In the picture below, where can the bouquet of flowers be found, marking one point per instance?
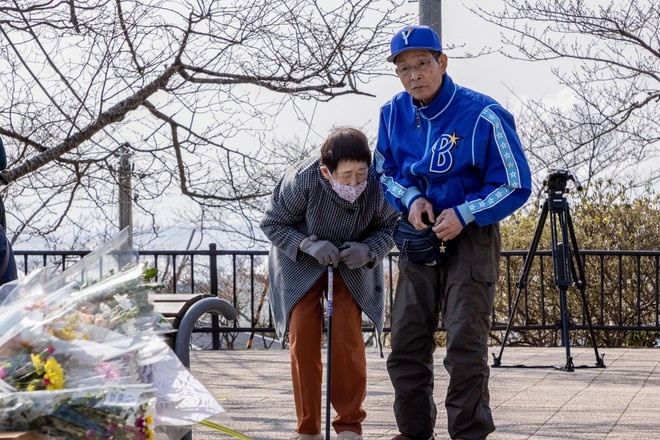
(81, 354)
(95, 412)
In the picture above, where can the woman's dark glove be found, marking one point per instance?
(324, 251)
(356, 254)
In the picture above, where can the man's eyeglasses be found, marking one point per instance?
(419, 67)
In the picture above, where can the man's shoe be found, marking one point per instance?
(349, 435)
(297, 436)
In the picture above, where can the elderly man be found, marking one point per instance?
(450, 161)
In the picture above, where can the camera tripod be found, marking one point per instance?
(567, 263)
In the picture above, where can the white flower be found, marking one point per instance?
(123, 302)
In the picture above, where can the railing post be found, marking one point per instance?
(213, 263)
(215, 323)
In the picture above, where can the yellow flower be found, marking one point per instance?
(37, 362)
(54, 374)
(148, 427)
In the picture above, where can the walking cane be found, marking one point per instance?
(329, 352)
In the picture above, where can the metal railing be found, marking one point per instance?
(622, 288)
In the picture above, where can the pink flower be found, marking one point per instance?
(108, 371)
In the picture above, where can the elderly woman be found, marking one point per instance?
(329, 210)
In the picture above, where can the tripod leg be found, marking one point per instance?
(562, 266)
(522, 281)
(581, 283)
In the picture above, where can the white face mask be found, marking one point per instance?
(348, 192)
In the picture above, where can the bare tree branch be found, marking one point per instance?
(610, 127)
(195, 89)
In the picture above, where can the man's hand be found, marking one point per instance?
(419, 207)
(324, 251)
(356, 254)
(448, 225)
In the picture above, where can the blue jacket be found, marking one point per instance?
(461, 151)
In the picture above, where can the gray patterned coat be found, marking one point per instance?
(303, 204)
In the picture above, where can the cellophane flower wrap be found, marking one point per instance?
(82, 354)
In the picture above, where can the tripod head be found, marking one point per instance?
(556, 184)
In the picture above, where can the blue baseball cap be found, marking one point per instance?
(414, 37)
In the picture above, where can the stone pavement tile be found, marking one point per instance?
(637, 425)
(615, 403)
(559, 430)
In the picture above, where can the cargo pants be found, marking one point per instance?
(462, 289)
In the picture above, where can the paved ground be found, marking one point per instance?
(621, 401)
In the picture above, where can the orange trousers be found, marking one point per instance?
(348, 382)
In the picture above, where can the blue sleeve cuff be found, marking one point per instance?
(410, 196)
(463, 213)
